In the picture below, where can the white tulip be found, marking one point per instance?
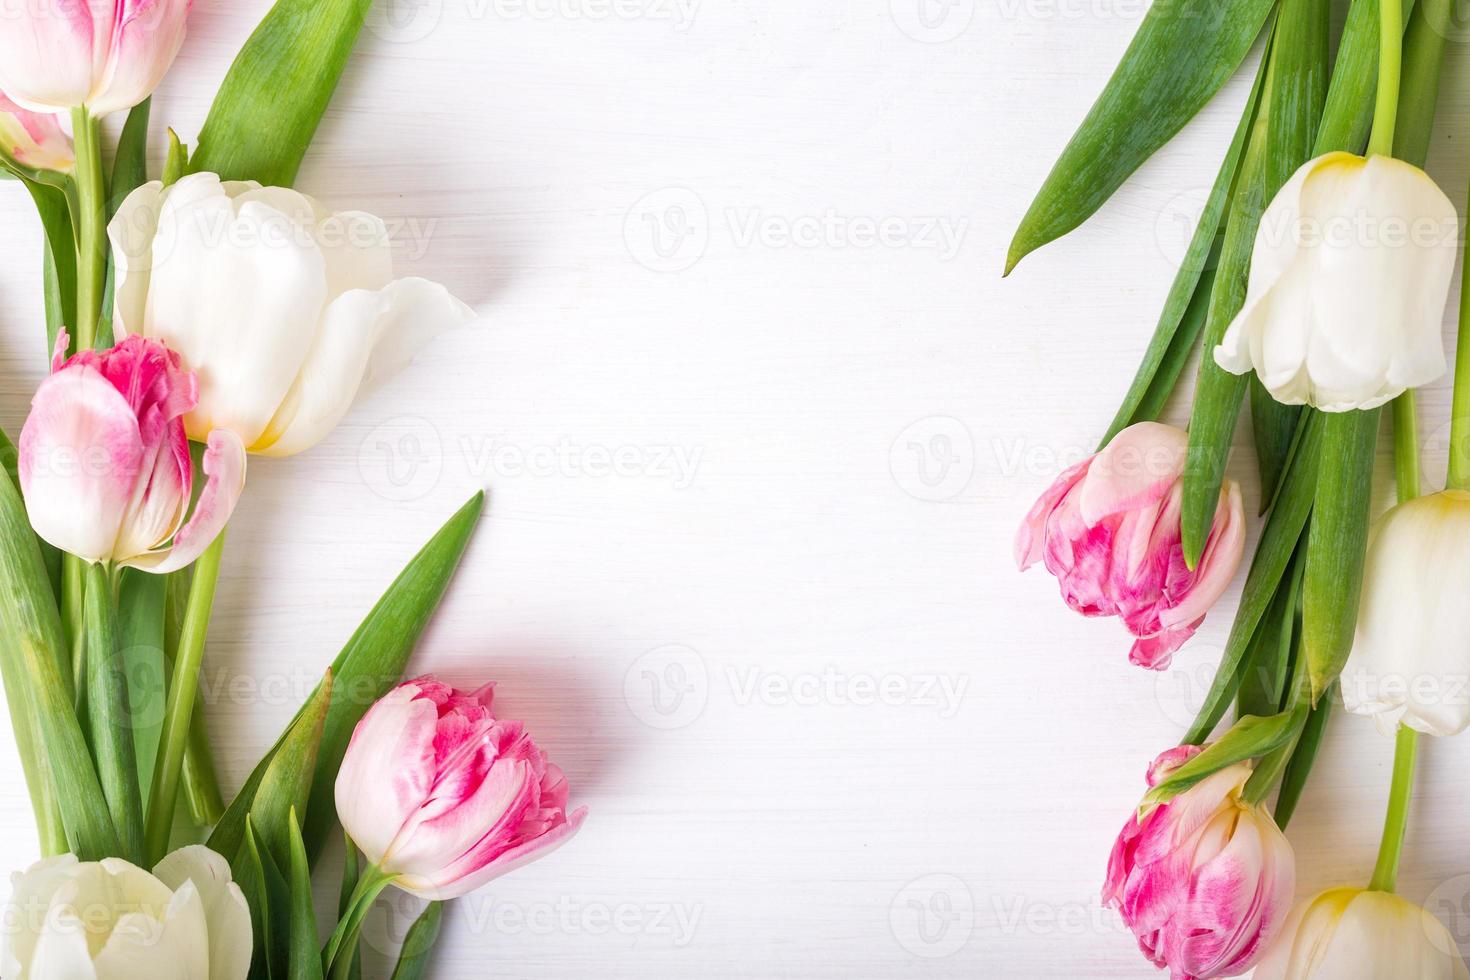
(1410, 662)
(110, 920)
(1352, 934)
(1348, 281)
(282, 308)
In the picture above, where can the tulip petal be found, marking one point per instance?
(1031, 537)
(507, 862)
(237, 291)
(374, 803)
(225, 909)
(30, 895)
(80, 455)
(49, 52)
(145, 41)
(1137, 468)
(131, 232)
(224, 466)
(364, 337)
(171, 943)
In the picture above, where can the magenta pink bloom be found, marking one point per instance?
(1204, 881)
(34, 139)
(104, 463)
(106, 55)
(1108, 529)
(436, 790)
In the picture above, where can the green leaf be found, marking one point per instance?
(1279, 541)
(1348, 116)
(1337, 544)
(1294, 780)
(178, 160)
(1183, 52)
(284, 784)
(306, 946)
(1263, 681)
(351, 873)
(273, 97)
(370, 664)
(269, 897)
(418, 945)
(1274, 426)
(1249, 738)
(32, 659)
(1424, 44)
(109, 722)
(130, 165)
(1280, 142)
(140, 609)
(59, 260)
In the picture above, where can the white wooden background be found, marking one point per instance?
(758, 418)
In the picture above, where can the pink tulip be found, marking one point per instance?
(106, 55)
(1204, 881)
(104, 462)
(1108, 529)
(34, 139)
(435, 790)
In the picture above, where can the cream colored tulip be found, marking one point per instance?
(1348, 282)
(282, 308)
(1356, 934)
(110, 920)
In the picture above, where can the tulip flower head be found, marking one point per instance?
(439, 793)
(104, 464)
(1357, 934)
(107, 55)
(110, 920)
(34, 140)
(1108, 529)
(1205, 880)
(1348, 281)
(1410, 662)
(284, 308)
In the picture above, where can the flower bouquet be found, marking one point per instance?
(192, 320)
(1314, 288)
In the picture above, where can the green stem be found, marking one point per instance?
(91, 226)
(73, 618)
(1390, 58)
(1406, 446)
(109, 721)
(182, 690)
(342, 947)
(200, 783)
(1458, 477)
(1386, 873)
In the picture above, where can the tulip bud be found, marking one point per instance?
(34, 140)
(1205, 880)
(438, 792)
(1348, 281)
(1410, 662)
(1108, 529)
(1353, 934)
(283, 308)
(110, 920)
(56, 55)
(104, 464)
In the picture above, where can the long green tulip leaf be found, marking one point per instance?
(370, 664)
(130, 164)
(305, 943)
(418, 945)
(1183, 52)
(1249, 738)
(1294, 779)
(1337, 544)
(1279, 541)
(273, 97)
(1269, 660)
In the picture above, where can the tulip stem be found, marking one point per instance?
(1390, 61)
(109, 723)
(1406, 749)
(91, 221)
(342, 947)
(179, 710)
(1406, 446)
(1459, 471)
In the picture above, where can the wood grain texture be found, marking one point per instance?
(757, 436)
